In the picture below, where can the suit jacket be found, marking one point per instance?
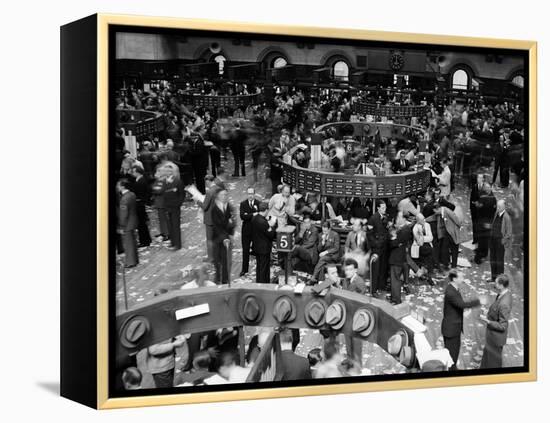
(453, 312)
(445, 181)
(142, 190)
(498, 315)
(361, 211)
(294, 366)
(357, 284)
(377, 232)
(262, 235)
(208, 203)
(127, 212)
(506, 229)
(452, 222)
(173, 193)
(309, 240)
(475, 196)
(331, 246)
(399, 246)
(351, 242)
(398, 167)
(246, 213)
(486, 212)
(222, 222)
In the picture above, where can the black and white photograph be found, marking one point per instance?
(293, 211)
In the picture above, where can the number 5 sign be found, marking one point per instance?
(285, 241)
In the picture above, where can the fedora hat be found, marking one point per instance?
(284, 310)
(363, 322)
(406, 356)
(133, 330)
(314, 313)
(397, 342)
(434, 366)
(336, 315)
(251, 308)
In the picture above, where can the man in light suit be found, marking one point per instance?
(356, 239)
(497, 325)
(127, 222)
(501, 239)
(248, 209)
(329, 251)
(444, 178)
(453, 315)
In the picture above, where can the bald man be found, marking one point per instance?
(501, 238)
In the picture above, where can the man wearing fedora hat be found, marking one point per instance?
(453, 314)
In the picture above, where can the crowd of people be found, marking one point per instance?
(389, 242)
(218, 361)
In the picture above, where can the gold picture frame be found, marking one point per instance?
(103, 401)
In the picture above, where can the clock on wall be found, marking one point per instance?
(397, 61)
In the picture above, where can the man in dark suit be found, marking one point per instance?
(199, 156)
(305, 244)
(173, 196)
(497, 325)
(238, 141)
(485, 214)
(329, 250)
(143, 193)
(401, 165)
(378, 236)
(127, 222)
(263, 233)
(207, 205)
(502, 162)
(400, 239)
(247, 210)
(361, 208)
(453, 315)
(294, 367)
(475, 205)
(224, 227)
(353, 281)
(501, 239)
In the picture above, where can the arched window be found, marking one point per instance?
(220, 59)
(279, 62)
(340, 70)
(460, 80)
(518, 80)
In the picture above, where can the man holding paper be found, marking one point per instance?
(497, 325)
(453, 314)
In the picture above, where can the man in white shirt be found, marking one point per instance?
(230, 371)
(282, 205)
(444, 178)
(423, 238)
